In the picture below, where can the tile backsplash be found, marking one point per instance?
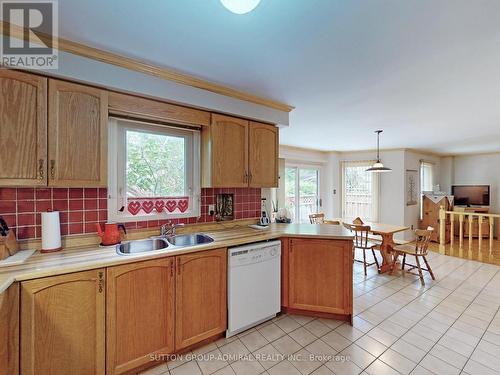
(82, 208)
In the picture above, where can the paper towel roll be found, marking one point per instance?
(51, 231)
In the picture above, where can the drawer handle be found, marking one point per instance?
(178, 266)
(41, 173)
(52, 169)
(101, 282)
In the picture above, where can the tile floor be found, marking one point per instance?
(447, 326)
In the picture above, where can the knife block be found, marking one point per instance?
(8, 245)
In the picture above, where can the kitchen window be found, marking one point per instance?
(154, 171)
(360, 191)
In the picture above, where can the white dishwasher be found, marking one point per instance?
(254, 285)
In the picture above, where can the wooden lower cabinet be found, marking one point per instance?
(319, 276)
(9, 331)
(63, 324)
(139, 313)
(201, 307)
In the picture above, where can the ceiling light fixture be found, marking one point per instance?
(378, 166)
(240, 6)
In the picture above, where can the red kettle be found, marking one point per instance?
(111, 234)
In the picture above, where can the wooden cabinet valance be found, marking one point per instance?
(148, 109)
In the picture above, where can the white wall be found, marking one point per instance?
(479, 170)
(447, 173)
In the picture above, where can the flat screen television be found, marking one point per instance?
(471, 195)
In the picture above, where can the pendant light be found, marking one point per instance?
(378, 166)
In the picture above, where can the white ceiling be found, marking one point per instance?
(425, 71)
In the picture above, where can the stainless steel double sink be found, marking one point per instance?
(162, 243)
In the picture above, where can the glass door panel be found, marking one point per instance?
(302, 192)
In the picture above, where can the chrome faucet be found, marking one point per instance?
(168, 229)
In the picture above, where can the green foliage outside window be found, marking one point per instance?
(155, 165)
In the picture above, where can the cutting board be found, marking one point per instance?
(18, 258)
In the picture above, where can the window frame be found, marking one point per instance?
(375, 186)
(423, 165)
(117, 198)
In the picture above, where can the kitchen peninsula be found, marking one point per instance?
(109, 297)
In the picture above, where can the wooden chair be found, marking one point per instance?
(318, 218)
(417, 249)
(358, 221)
(362, 242)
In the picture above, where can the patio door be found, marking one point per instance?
(302, 192)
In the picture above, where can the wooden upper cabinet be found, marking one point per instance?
(225, 152)
(23, 129)
(239, 153)
(63, 324)
(201, 308)
(263, 155)
(9, 330)
(320, 275)
(77, 135)
(140, 313)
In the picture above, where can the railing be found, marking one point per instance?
(308, 204)
(471, 219)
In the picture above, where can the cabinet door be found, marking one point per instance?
(201, 307)
(9, 331)
(320, 275)
(263, 155)
(63, 324)
(140, 313)
(77, 135)
(229, 152)
(23, 135)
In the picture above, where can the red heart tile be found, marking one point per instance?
(134, 207)
(171, 205)
(159, 205)
(183, 205)
(147, 206)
